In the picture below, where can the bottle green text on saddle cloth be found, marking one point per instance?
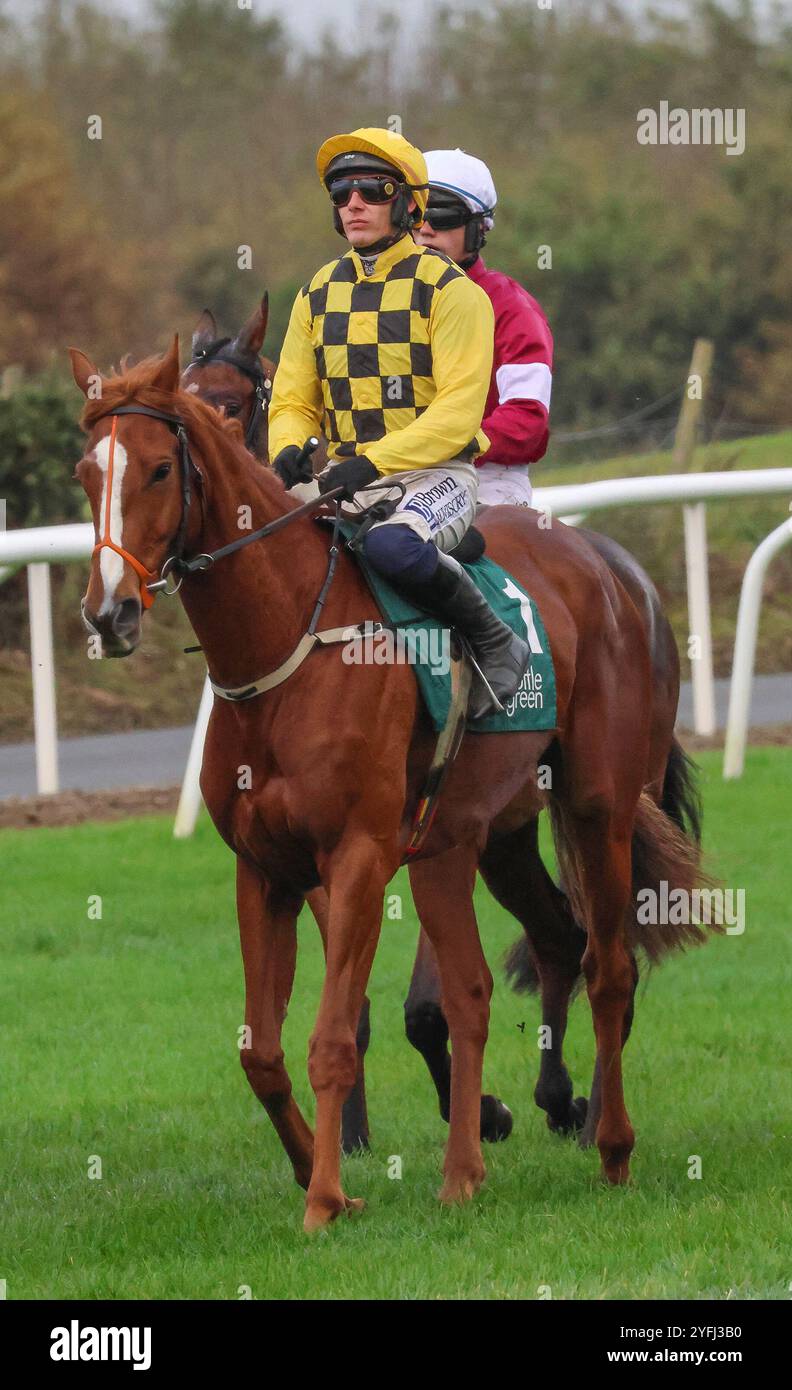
(534, 705)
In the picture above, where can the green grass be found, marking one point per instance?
(119, 1040)
(159, 686)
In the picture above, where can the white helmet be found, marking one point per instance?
(467, 177)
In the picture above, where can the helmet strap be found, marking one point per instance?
(381, 245)
(475, 235)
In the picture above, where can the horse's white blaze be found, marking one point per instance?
(111, 565)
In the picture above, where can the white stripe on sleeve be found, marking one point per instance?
(524, 381)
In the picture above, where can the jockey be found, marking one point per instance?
(462, 202)
(389, 350)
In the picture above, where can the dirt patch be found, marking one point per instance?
(74, 807)
(772, 736)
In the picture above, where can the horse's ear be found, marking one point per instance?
(166, 377)
(205, 331)
(250, 338)
(85, 373)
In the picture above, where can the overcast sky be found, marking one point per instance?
(306, 17)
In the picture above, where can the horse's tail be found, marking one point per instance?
(520, 967)
(666, 860)
(666, 871)
(681, 799)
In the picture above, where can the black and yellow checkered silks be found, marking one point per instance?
(371, 342)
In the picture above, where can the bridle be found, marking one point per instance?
(176, 564)
(251, 368)
(149, 584)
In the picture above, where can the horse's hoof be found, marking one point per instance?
(319, 1214)
(460, 1188)
(616, 1163)
(496, 1120)
(356, 1144)
(587, 1136)
(574, 1119)
(617, 1174)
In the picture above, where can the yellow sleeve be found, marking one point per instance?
(461, 332)
(296, 409)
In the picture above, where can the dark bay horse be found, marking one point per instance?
(339, 754)
(548, 956)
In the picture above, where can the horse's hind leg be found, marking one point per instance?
(604, 857)
(268, 934)
(443, 893)
(354, 1116)
(427, 1030)
(588, 1134)
(512, 869)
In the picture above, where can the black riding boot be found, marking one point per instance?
(451, 596)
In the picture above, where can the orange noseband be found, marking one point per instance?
(106, 543)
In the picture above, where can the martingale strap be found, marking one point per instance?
(287, 668)
(450, 736)
(448, 740)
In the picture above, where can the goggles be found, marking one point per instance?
(373, 188)
(445, 216)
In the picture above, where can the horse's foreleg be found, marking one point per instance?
(354, 1116)
(443, 892)
(427, 1030)
(268, 934)
(356, 875)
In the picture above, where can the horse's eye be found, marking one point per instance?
(160, 473)
(233, 408)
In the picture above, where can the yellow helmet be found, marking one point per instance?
(383, 145)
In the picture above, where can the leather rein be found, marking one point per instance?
(176, 563)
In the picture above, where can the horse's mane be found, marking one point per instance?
(205, 425)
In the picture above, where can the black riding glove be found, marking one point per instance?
(290, 469)
(351, 474)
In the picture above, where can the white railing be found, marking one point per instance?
(40, 546)
(745, 647)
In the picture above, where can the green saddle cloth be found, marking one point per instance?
(425, 645)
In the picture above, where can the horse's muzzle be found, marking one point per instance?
(119, 628)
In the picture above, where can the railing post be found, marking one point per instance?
(701, 667)
(42, 668)
(689, 422)
(190, 799)
(696, 556)
(745, 647)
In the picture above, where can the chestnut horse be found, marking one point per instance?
(548, 956)
(339, 754)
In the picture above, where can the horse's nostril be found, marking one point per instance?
(126, 616)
